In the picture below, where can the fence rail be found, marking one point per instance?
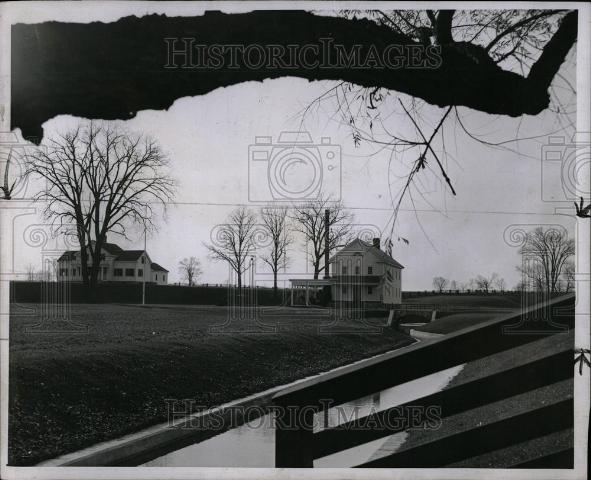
(297, 445)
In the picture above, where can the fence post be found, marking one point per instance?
(293, 435)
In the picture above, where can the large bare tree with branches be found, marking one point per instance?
(548, 251)
(275, 222)
(439, 283)
(309, 220)
(190, 270)
(486, 282)
(235, 241)
(98, 180)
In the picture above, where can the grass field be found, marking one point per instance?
(71, 390)
(472, 301)
(457, 321)
(465, 310)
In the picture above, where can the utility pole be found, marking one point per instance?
(144, 273)
(326, 300)
(326, 242)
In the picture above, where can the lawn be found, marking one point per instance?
(457, 321)
(471, 301)
(461, 311)
(71, 390)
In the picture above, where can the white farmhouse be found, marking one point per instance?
(363, 273)
(117, 265)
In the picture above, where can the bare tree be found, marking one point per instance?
(32, 273)
(439, 283)
(309, 220)
(547, 251)
(190, 270)
(532, 276)
(275, 221)
(521, 287)
(8, 187)
(97, 181)
(500, 284)
(569, 276)
(235, 241)
(486, 283)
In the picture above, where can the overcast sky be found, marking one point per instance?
(207, 139)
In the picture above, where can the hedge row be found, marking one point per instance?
(35, 292)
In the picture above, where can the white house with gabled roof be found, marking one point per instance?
(362, 272)
(117, 265)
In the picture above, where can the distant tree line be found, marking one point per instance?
(481, 283)
(547, 267)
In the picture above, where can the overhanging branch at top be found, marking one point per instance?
(112, 70)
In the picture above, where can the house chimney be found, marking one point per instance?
(376, 242)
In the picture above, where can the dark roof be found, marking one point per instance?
(121, 255)
(158, 268)
(129, 255)
(112, 248)
(69, 255)
(358, 244)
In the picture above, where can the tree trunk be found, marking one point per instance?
(81, 235)
(275, 270)
(84, 265)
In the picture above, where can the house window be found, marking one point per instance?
(344, 289)
(79, 271)
(370, 270)
(344, 269)
(104, 272)
(129, 272)
(357, 268)
(73, 272)
(156, 277)
(143, 260)
(369, 290)
(118, 272)
(140, 272)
